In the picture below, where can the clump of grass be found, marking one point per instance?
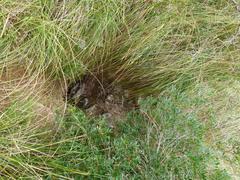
(27, 148)
(145, 46)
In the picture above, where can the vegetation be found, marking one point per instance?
(181, 58)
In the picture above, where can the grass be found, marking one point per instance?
(160, 141)
(138, 147)
(178, 56)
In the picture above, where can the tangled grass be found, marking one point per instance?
(143, 45)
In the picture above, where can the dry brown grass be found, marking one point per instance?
(17, 85)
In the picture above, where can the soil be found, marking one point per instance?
(100, 97)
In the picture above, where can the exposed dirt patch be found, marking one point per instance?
(101, 97)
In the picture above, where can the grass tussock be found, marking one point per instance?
(161, 48)
(144, 45)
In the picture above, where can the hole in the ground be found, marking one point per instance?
(99, 96)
